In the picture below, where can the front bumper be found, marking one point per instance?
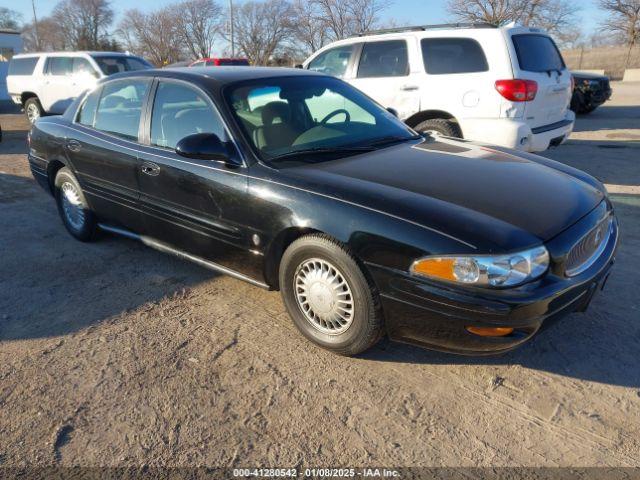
(435, 316)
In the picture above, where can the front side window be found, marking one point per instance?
(179, 111)
(283, 116)
(121, 63)
(87, 113)
(81, 66)
(384, 59)
(120, 107)
(332, 62)
(60, 66)
(537, 53)
(452, 55)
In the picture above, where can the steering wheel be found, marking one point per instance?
(334, 113)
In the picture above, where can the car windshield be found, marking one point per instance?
(282, 117)
(117, 64)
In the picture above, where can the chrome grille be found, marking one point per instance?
(584, 253)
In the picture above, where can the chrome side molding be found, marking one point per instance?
(163, 247)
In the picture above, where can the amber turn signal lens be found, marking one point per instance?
(490, 331)
(436, 267)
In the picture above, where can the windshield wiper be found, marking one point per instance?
(321, 150)
(392, 139)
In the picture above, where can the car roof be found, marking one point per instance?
(80, 52)
(219, 76)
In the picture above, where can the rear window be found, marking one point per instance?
(235, 62)
(22, 66)
(452, 55)
(537, 53)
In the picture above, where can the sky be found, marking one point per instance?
(410, 12)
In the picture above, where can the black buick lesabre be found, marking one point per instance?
(296, 181)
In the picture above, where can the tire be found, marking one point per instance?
(79, 222)
(440, 126)
(33, 109)
(308, 258)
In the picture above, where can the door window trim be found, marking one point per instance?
(145, 137)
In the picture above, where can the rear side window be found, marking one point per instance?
(452, 55)
(81, 66)
(332, 62)
(22, 66)
(88, 110)
(537, 53)
(59, 65)
(120, 108)
(179, 111)
(384, 59)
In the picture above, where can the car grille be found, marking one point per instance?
(589, 248)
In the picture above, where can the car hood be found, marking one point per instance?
(493, 199)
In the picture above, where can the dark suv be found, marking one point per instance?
(589, 92)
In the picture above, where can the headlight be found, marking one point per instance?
(485, 270)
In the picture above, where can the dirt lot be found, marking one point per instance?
(114, 354)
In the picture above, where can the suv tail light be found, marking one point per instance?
(517, 90)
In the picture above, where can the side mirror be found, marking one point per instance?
(203, 146)
(299, 65)
(393, 112)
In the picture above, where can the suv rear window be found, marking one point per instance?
(537, 53)
(452, 55)
(22, 66)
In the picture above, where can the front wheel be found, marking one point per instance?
(328, 296)
(73, 208)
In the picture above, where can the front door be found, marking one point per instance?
(103, 149)
(196, 206)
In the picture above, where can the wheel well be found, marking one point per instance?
(277, 248)
(52, 170)
(26, 96)
(419, 117)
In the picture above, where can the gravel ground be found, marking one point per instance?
(112, 354)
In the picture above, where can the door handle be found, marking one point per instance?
(150, 168)
(409, 88)
(74, 145)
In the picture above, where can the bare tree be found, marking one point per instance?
(623, 21)
(311, 31)
(198, 23)
(154, 35)
(83, 23)
(261, 28)
(49, 35)
(365, 14)
(556, 16)
(10, 19)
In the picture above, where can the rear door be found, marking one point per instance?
(103, 148)
(58, 91)
(536, 57)
(383, 73)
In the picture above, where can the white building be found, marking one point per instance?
(10, 44)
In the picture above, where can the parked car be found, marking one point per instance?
(506, 86)
(364, 226)
(220, 62)
(590, 91)
(48, 82)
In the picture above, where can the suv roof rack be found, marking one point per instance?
(417, 28)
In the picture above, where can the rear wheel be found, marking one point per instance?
(33, 109)
(439, 126)
(328, 296)
(76, 215)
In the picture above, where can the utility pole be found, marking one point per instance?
(35, 25)
(233, 47)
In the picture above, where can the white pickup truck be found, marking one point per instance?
(48, 82)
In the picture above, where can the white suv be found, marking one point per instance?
(506, 86)
(48, 82)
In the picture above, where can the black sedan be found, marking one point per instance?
(589, 91)
(296, 181)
